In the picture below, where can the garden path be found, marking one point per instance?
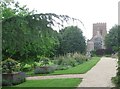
(56, 76)
(101, 74)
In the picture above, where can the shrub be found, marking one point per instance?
(9, 65)
(80, 58)
(44, 70)
(20, 78)
(109, 51)
(36, 64)
(100, 52)
(6, 82)
(118, 73)
(26, 67)
(13, 79)
(69, 60)
(61, 67)
(65, 61)
(44, 61)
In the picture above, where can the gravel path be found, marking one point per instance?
(101, 74)
(56, 76)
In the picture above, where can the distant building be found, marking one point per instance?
(97, 41)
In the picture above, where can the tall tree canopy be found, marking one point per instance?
(11, 8)
(72, 40)
(26, 35)
(118, 73)
(111, 40)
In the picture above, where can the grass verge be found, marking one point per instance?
(70, 83)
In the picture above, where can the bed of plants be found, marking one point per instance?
(11, 74)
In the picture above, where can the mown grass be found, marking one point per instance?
(72, 82)
(80, 69)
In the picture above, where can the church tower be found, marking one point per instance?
(101, 27)
(97, 41)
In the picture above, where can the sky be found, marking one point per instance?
(88, 11)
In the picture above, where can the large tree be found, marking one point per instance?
(111, 40)
(118, 73)
(26, 34)
(72, 40)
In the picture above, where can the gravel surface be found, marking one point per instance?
(101, 74)
(56, 76)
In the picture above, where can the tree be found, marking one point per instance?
(111, 40)
(11, 8)
(24, 37)
(72, 40)
(118, 73)
(26, 34)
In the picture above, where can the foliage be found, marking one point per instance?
(111, 40)
(72, 40)
(44, 61)
(69, 60)
(12, 8)
(6, 82)
(13, 79)
(19, 79)
(25, 39)
(79, 58)
(118, 73)
(9, 65)
(26, 35)
(26, 67)
(44, 70)
(109, 51)
(102, 52)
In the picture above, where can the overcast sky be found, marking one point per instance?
(88, 11)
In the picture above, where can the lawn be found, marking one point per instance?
(80, 69)
(70, 83)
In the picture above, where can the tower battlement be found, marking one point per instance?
(99, 23)
(101, 27)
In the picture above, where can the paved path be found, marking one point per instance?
(56, 76)
(100, 75)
